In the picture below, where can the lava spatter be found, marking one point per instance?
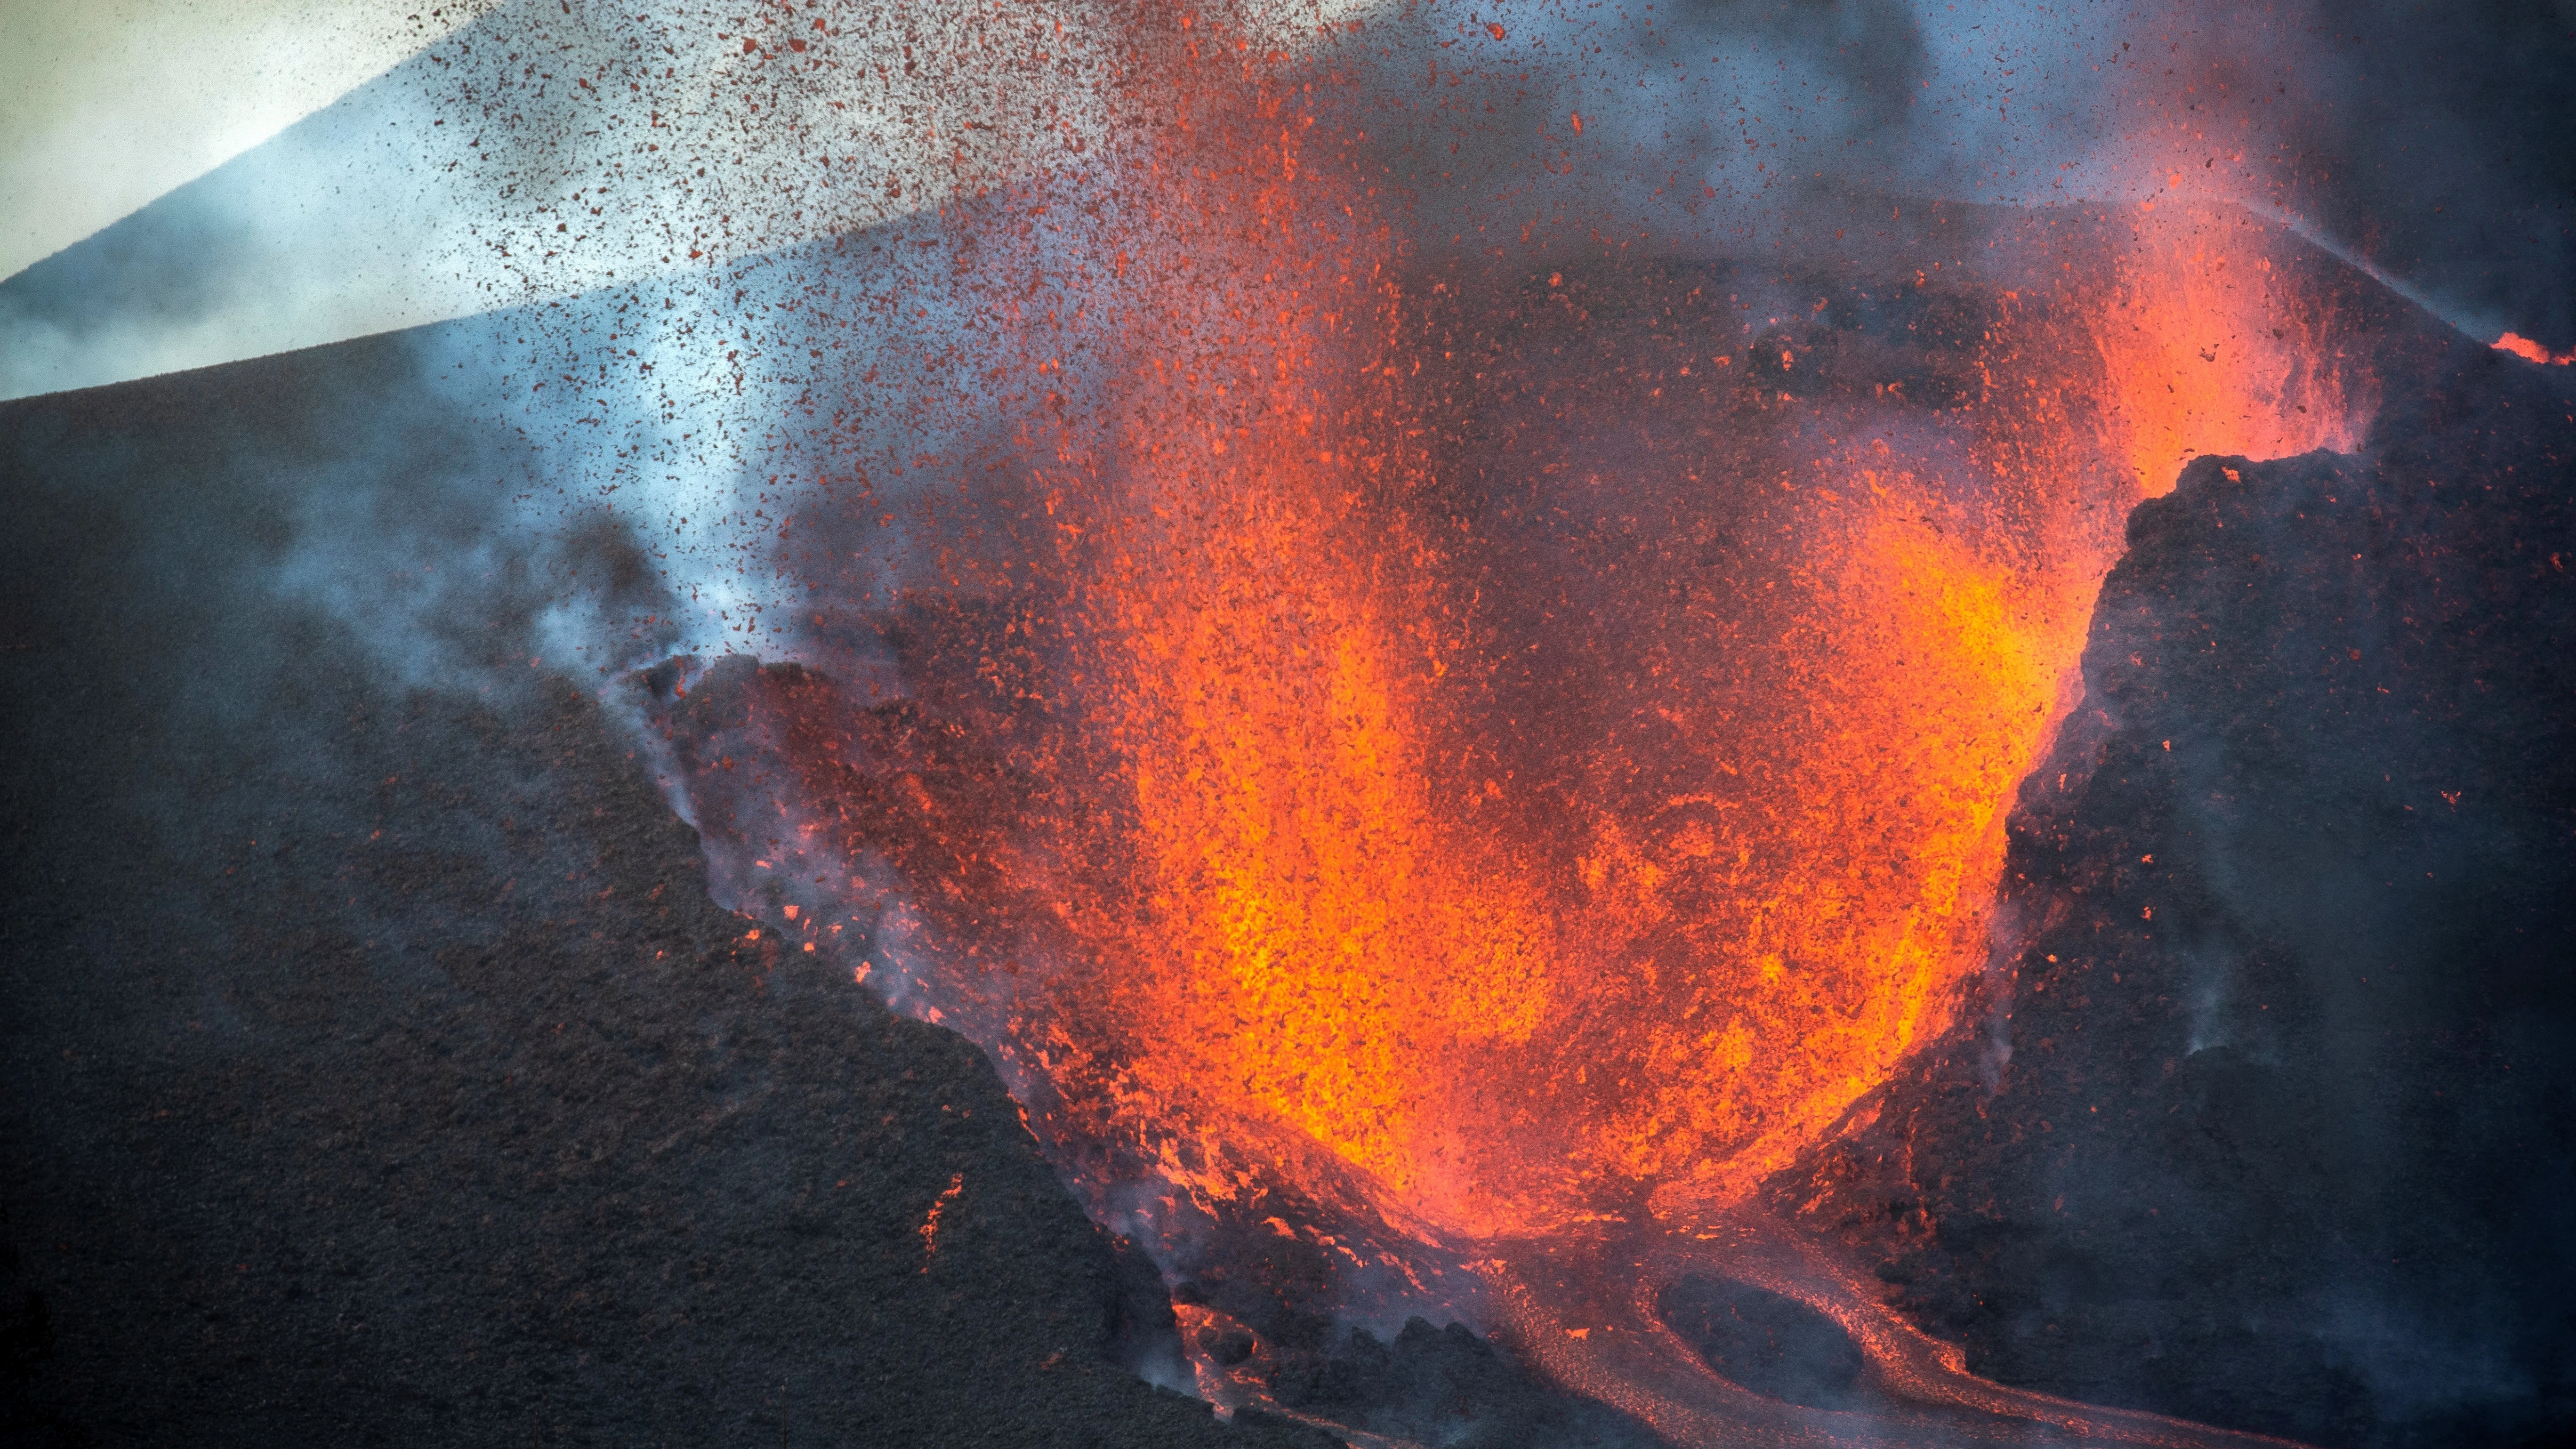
(1470, 749)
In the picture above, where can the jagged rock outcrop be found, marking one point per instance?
(2263, 1116)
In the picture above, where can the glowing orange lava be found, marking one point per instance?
(2209, 351)
(1547, 789)
(2530, 351)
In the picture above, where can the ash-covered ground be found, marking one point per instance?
(2266, 1115)
(377, 1069)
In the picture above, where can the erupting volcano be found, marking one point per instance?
(1466, 660)
(1429, 747)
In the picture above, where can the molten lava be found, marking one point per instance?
(2530, 351)
(1537, 822)
(1509, 742)
(2209, 350)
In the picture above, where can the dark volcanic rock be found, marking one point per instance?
(1772, 1345)
(1446, 1386)
(2267, 1113)
(377, 1069)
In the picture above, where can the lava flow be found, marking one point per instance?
(1505, 747)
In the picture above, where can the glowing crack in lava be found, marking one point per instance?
(1501, 743)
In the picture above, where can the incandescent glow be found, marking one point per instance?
(2208, 351)
(1428, 728)
(1535, 789)
(2530, 351)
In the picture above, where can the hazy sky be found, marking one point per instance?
(2453, 170)
(106, 104)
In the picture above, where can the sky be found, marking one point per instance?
(106, 104)
(2430, 146)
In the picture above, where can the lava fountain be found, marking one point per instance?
(1443, 752)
